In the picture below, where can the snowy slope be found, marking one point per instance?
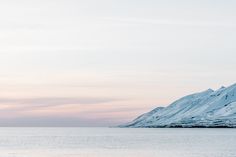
(205, 109)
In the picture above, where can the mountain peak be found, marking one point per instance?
(222, 87)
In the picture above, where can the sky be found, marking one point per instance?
(102, 63)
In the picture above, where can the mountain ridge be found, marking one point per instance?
(208, 108)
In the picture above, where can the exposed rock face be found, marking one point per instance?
(205, 109)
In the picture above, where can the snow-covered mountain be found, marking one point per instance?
(205, 109)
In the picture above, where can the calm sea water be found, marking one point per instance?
(116, 142)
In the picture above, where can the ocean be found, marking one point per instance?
(117, 142)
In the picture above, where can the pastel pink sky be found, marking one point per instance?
(90, 63)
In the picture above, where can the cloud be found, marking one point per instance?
(172, 22)
(54, 101)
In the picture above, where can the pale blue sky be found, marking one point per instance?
(123, 57)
